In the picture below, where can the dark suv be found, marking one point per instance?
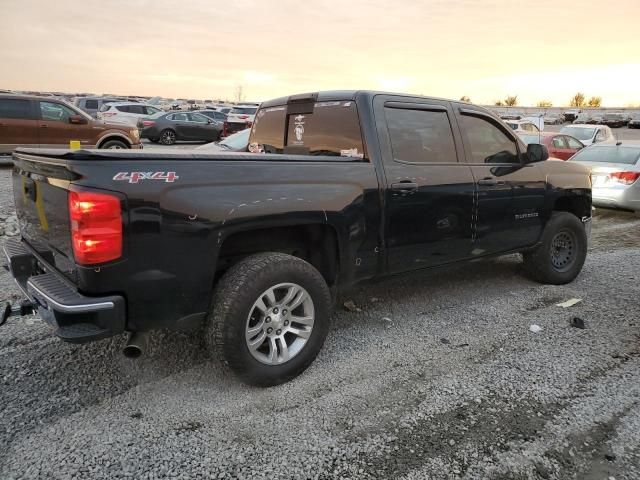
(32, 121)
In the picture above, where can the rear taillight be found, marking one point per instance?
(243, 117)
(148, 123)
(96, 227)
(626, 178)
(109, 114)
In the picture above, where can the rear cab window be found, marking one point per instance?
(331, 129)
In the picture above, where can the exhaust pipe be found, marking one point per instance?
(136, 345)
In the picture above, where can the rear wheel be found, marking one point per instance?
(167, 137)
(269, 318)
(114, 145)
(562, 252)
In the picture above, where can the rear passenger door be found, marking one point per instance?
(18, 124)
(429, 189)
(509, 192)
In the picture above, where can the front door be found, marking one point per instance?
(429, 190)
(55, 129)
(558, 148)
(510, 192)
(18, 124)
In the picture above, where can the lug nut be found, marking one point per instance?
(269, 330)
(286, 322)
(278, 332)
(284, 312)
(275, 310)
(268, 319)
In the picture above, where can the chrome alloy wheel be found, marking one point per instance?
(279, 323)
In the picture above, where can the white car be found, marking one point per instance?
(126, 112)
(589, 134)
(526, 124)
(240, 117)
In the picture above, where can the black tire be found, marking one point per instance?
(562, 252)
(114, 144)
(167, 137)
(232, 304)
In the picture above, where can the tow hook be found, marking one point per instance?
(25, 307)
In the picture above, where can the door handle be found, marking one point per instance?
(405, 187)
(44, 126)
(489, 182)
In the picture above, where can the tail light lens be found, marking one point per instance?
(96, 227)
(626, 178)
(148, 123)
(243, 117)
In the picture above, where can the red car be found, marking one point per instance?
(559, 145)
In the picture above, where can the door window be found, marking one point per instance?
(179, 117)
(487, 143)
(151, 110)
(55, 112)
(196, 117)
(137, 109)
(558, 142)
(91, 104)
(600, 136)
(420, 136)
(16, 109)
(573, 143)
(124, 108)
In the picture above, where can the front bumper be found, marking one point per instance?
(76, 318)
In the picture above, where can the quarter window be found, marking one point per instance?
(573, 143)
(487, 143)
(420, 136)
(16, 109)
(55, 112)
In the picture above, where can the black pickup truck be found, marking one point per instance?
(337, 187)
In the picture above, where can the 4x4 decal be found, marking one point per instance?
(136, 177)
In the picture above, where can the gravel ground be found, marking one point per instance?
(433, 378)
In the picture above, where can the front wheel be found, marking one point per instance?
(269, 318)
(114, 145)
(562, 252)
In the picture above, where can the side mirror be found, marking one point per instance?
(537, 153)
(77, 120)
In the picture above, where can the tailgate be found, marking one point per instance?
(40, 189)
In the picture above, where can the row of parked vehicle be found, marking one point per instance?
(610, 119)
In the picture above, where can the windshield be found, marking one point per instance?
(237, 141)
(244, 110)
(608, 154)
(581, 133)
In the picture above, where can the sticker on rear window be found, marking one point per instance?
(137, 177)
(298, 130)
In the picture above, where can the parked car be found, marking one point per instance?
(46, 122)
(254, 247)
(613, 120)
(560, 146)
(92, 105)
(582, 118)
(571, 115)
(553, 119)
(214, 115)
(511, 116)
(634, 121)
(522, 126)
(237, 142)
(589, 134)
(126, 112)
(615, 169)
(239, 118)
(168, 128)
(595, 120)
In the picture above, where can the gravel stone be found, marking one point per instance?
(378, 403)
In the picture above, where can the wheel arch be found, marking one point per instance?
(113, 136)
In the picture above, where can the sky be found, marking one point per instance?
(205, 49)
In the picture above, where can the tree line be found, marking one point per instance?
(577, 101)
